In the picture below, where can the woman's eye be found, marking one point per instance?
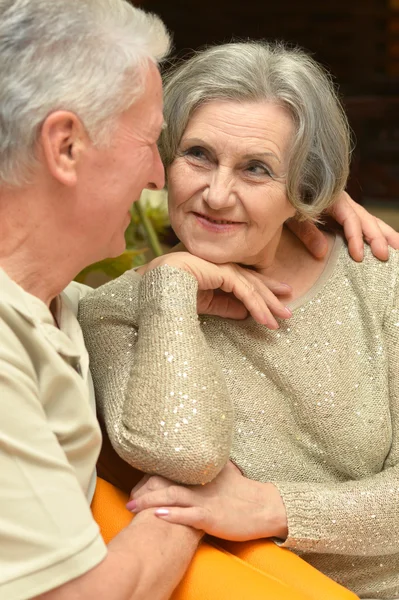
(258, 169)
(196, 152)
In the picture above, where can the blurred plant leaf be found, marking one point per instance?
(114, 267)
(148, 223)
(150, 233)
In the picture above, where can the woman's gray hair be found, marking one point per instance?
(260, 71)
(86, 56)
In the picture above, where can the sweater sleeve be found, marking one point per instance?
(161, 394)
(354, 517)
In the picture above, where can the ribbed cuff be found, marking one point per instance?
(169, 289)
(304, 516)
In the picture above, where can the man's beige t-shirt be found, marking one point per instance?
(49, 444)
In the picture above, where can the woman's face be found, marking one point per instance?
(227, 192)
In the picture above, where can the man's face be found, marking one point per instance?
(112, 178)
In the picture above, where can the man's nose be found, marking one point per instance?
(158, 172)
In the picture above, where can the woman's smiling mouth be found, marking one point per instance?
(217, 225)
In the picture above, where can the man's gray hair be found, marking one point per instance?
(260, 71)
(86, 56)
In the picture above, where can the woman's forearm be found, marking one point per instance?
(162, 395)
(354, 517)
(177, 414)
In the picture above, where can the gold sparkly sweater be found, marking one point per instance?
(312, 407)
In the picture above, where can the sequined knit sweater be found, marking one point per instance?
(312, 407)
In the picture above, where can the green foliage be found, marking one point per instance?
(149, 221)
(114, 267)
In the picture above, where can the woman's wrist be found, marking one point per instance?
(168, 288)
(274, 516)
(170, 259)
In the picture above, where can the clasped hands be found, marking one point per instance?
(230, 507)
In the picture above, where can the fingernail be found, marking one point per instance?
(287, 310)
(132, 505)
(162, 512)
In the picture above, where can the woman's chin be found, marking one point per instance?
(214, 255)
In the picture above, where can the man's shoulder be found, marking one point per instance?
(13, 300)
(74, 293)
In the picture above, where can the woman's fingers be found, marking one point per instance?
(249, 295)
(258, 292)
(276, 287)
(194, 516)
(220, 304)
(175, 504)
(248, 288)
(262, 286)
(252, 291)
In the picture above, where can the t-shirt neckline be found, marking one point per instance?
(324, 276)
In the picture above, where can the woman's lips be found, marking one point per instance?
(217, 225)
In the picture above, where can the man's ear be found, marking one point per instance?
(63, 140)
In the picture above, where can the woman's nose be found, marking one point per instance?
(219, 193)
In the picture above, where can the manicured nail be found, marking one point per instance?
(162, 512)
(288, 311)
(132, 505)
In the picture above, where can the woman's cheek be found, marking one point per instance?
(178, 220)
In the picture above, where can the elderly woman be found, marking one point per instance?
(307, 408)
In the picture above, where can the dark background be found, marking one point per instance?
(357, 40)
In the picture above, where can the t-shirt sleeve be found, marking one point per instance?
(47, 533)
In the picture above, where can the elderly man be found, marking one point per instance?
(80, 115)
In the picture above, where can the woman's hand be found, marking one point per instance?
(228, 290)
(231, 507)
(358, 225)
